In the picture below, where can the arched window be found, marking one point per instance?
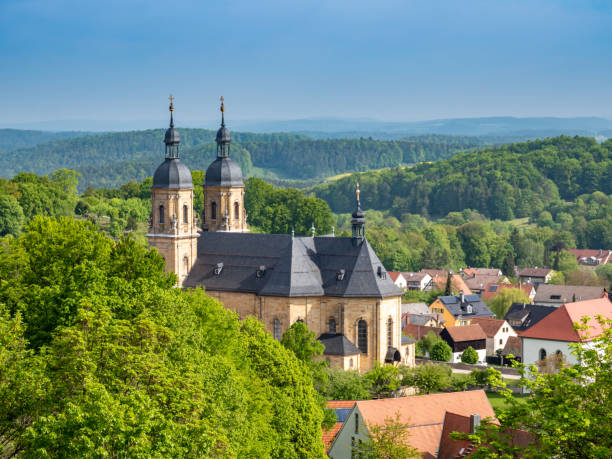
(390, 332)
(213, 211)
(559, 353)
(277, 333)
(161, 215)
(236, 211)
(542, 354)
(332, 325)
(186, 264)
(362, 336)
(185, 214)
(351, 362)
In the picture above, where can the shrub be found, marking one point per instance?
(469, 356)
(427, 378)
(441, 352)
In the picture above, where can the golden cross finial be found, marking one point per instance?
(171, 99)
(222, 107)
(357, 191)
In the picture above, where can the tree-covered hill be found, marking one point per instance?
(13, 139)
(516, 180)
(111, 159)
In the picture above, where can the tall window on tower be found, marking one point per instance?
(161, 215)
(213, 211)
(185, 214)
(236, 211)
(362, 336)
(390, 332)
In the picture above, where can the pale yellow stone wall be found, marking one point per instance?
(225, 198)
(316, 312)
(350, 362)
(176, 237)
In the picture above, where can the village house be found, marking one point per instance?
(556, 295)
(425, 415)
(420, 314)
(460, 338)
(498, 332)
(418, 281)
(491, 290)
(439, 278)
(398, 279)
(478, 278)
(553, 334)
(535, 275)
(341, 408)
(522, 316)
(590, 257)
(460, 309)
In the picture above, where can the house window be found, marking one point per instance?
(236, 211)
(555, 297)
(542, 354)
(276, 327)
(185, 214)
(161, 215)
(500, 341)
(390, 332)
(362, 336)
(356, 423)
(186, 264)
(213, 211)
(351, 362)
(332, 325)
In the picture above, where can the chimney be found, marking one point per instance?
(474, 423)
(462, 296)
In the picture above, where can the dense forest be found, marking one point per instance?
(13, 139)
(109, 160)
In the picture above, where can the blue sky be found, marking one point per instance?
(387, 60)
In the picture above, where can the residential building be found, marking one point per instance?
(460, 338)
(424, 414)
(398, 279)
(497, 330)
(342, 408)
(589, 257)
(420, 314)
(335, 285)
(478, 278)
(555, 332)
(492, 289)
(556, 295)
(418, 281)
(471, 272)
(460, 309)
(439, 279)
(535, 275)
(522, 316)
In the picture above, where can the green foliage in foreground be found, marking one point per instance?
(389, 440)
(100, 357)
(568, 412)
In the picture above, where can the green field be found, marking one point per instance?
(498, 402)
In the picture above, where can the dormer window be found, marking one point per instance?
(261, 271)
(218, 269)
(381, 273)
(340, 275)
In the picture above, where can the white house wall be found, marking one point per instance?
(532, 346)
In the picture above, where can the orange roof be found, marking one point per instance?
(487, 294)
(457, 283)
(466, 333)
(340, 404)
(425, 414)
(394, 275)
(559, 324)
(489, 325)
(330, 435)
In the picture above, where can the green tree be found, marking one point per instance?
(11, 216)
(448, 288)
(347, 385)
(426, 343)
(501, 302)
(469, 356)
(441, 352)
(428, 378)
(390, 440)
(383, 380)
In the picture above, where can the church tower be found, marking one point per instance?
(172, 227)
(224, 188)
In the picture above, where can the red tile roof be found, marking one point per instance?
(603, 256)
(340, 404)
(534, 272)
(489, 325)
(466, 333)
(480, 281)
(457, 282)
(394, 275)
(483, 271)
(330, 435)
(559, 324)
(425, 414)
(488, 294)
(419, 331)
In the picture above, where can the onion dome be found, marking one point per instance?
(358, 220)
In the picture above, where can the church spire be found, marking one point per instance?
(223, 135)
(358, 220)
(172, 139)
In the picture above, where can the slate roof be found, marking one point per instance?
(415, 308)
(534, 272)
(459, 309)
(338, 344)
(480, 281)
(223, 172)
(546, 292)
(172, 174)
(559, 324)
(528, 314)
(293, 267)
(420, 319)
(407, 340)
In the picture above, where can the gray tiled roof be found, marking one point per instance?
(294, 267)
(459, 309)
(527, 314)
(338, 344)
(566, 293)
(415, 308)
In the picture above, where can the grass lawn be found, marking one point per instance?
(498, 402)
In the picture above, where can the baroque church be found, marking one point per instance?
(337, 286)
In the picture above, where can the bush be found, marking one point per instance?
(481, 377)
(460, 382)
(427, 378)
(469, 356)
(441, 352)
(346, 385)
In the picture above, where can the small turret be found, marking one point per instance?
(358, 220)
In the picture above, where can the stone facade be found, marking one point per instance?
(229, 213)
(173, 230)
(380, 315)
